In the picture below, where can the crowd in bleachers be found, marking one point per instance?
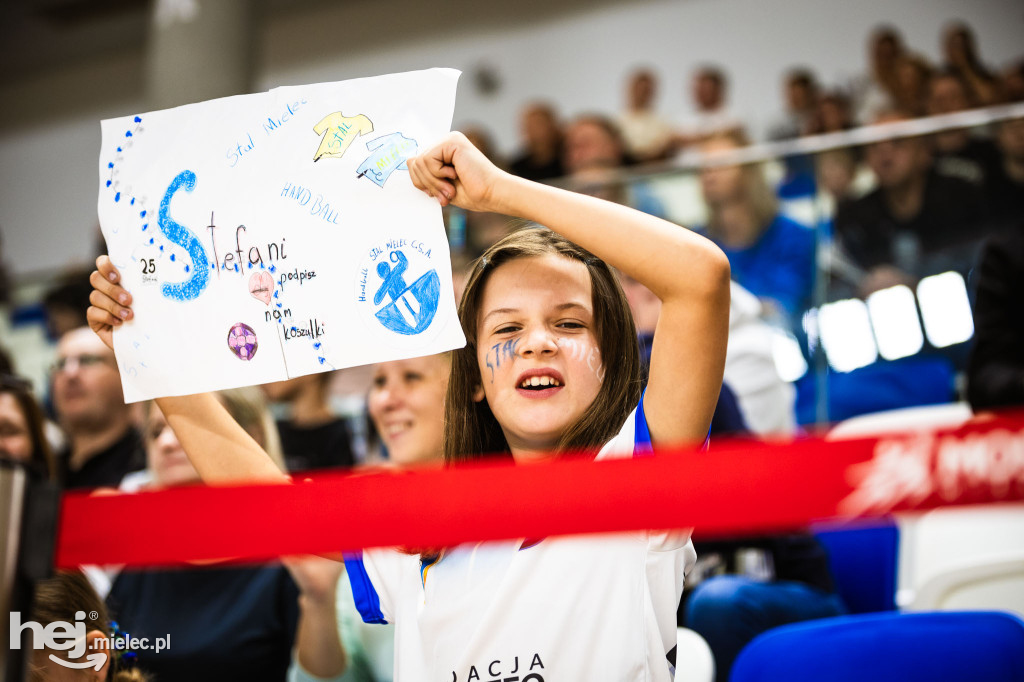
(927, 206)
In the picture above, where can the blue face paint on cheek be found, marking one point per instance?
(487, 361)
(506, 351)
(509, 349)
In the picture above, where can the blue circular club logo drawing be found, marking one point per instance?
(399, 284)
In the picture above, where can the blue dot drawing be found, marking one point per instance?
(132, 202)
(138, 119)
(411, 307)
(110, 164)
(109, 183)
(150, 240)
(172, 256)
(186, 268)
(128, 133)
(117, 197)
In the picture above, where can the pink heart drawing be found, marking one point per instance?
(261, 286)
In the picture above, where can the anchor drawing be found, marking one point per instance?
(412, 307)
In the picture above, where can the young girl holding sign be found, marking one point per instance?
(551, 364)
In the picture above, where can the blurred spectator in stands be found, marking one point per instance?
(541, 155)
(312, 435)
(801, 94)
(711, 113)
(913, 73)
(833, 114)
(648, 136)
(66, 302)
(406, 406)
(1012, 84)
(728, 418)
(1006, 189)
(594, 141)
(102, 443)
(877, 90)
(480, 229)
(743, 586)
(771, 255)
(484, 141)
(250, 616)
(594, 154)
(406, 403)
(960, 52)
(914, 217)
(836, 172)
(22, 424)
(765, 582)
(995, 371)
(958, 153)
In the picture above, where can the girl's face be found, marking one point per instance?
(406, 403)
(15, 439)
(164, 455)
(540, 363)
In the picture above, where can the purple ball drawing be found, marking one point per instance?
(242, 341)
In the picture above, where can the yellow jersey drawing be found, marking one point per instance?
(338, 132)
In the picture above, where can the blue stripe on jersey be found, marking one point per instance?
(363, 591)
(641, 434)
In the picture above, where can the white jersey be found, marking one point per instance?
(594, 607)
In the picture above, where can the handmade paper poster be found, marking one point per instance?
(278, 234)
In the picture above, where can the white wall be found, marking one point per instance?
(577, 58)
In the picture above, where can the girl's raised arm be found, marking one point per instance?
(219, 449)
(686, 271)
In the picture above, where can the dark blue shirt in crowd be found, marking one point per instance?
(224, 623)
(778, 266)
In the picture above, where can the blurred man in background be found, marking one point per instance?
(102, 442)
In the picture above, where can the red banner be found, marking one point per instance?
(736, 487)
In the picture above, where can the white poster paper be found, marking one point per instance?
(278, 234)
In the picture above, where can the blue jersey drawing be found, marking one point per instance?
(391, 152)
(411, 308)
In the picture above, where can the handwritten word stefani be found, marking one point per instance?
(235, 261)
(244, 226)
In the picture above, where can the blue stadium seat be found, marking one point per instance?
(863, 560)
(948, 646)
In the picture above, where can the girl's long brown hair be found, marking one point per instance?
(471, 430)
(57, 599)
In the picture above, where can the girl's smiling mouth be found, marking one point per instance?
(539, 383)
